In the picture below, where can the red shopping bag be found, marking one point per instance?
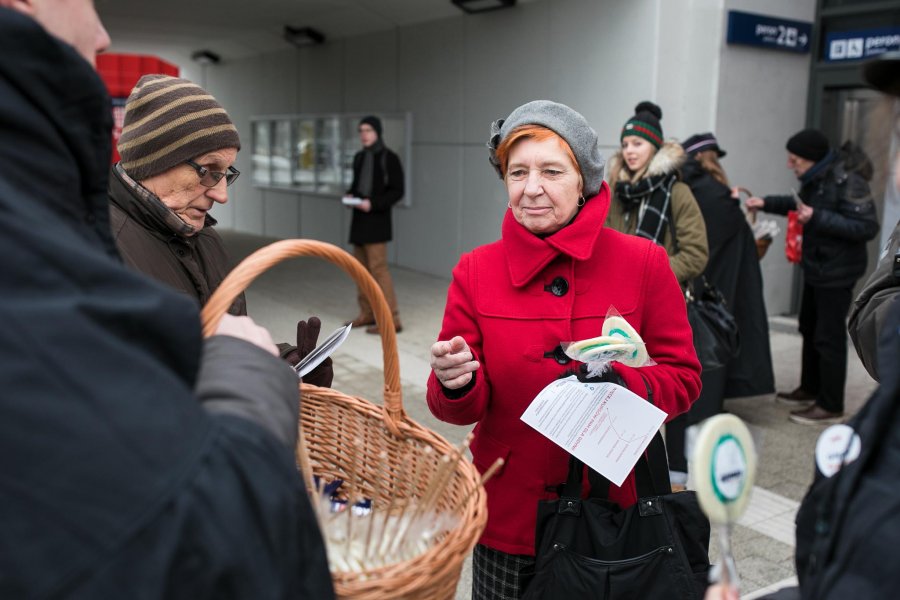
(793, 241)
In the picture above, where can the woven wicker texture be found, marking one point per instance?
(378, 451)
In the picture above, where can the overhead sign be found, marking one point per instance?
(857, 45)
(769, 32)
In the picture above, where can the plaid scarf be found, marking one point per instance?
(650, 198)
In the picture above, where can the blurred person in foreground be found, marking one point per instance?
(178, 147)
(136, 459)
(550, 278)
(838, 215)
(846, 526)
(733, 268)
(648, 197)
(882, 288)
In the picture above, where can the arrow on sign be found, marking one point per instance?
(803, 38)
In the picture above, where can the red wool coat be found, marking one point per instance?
(505, 301)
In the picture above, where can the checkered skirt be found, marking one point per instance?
(495, 574)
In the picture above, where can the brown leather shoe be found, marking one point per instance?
(814, 415)
(374, 328)
(798, 397)
(361, 321)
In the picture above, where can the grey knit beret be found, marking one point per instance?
(566, 123)
(169, 121)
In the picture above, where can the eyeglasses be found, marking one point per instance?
(212, 178)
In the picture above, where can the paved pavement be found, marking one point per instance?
(763, 541)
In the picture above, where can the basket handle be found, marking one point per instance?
(266, 257)
(751, 214)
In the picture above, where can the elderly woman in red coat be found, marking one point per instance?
(549, 279)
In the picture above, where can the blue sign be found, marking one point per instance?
(857, 45)
(769, 32)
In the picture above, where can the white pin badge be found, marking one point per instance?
(838, 445)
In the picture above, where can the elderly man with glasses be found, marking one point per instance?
(177, 147)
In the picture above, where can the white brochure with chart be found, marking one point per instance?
(604, 425)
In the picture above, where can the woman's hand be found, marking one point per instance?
(754, 203)
(453, 363)
(245, 329)
(721, 592)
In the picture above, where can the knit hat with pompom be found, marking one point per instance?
(645, 123)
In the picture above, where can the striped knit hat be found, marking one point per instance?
(645, 124)
(169, 121)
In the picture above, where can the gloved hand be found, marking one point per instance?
(307, 335)
(609, 376)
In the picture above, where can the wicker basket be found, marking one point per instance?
(346, 438)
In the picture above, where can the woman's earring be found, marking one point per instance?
(581, 201)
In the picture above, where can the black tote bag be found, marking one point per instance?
(656, 549)
(716, 336)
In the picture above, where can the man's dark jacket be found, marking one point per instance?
(115, 482)
(843, 220)
(847, 525)
(374, 227)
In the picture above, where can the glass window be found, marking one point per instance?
(304, 165)
(261, 152)
(349, 149)
(314, 152)
(328, 162)
(282, 153)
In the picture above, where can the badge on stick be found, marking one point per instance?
(723, 470)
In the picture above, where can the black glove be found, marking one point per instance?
(307, 335)
(609, 376)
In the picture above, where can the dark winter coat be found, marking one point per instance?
(514, 301)
(733, 268)
(843, 220)
(847, 526)
(374, 227)
(118, 479)
(151, 242)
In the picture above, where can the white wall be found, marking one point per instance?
(455, 75)
(458, 74)
(761, 103)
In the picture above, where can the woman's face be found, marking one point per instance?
(543, 185)
(180, 189)
(637, 152)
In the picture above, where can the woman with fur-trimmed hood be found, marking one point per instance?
(649, 200)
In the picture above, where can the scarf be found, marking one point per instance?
(650, 197)
(818, 168)
(367, 169)
(153, 205)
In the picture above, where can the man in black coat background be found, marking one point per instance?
(838, 215)
(377, 185)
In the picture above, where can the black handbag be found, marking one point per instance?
(656, 549)
(716, 336)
